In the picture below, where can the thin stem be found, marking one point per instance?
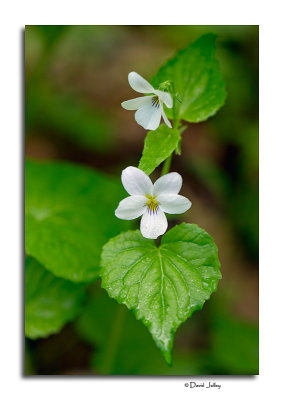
(168, 161)
(167, 165)
(113, 340)
(174, 105)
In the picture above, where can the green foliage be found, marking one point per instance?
(197, 80)
(162, 285)
(158, 146)
(89, 127)
(50, 33)
(96, 325)
(234, 344)
(69, 216)
(70, 210)
(50, 302)
(136, 352)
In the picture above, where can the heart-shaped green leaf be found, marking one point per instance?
(197, 80)
(158, 146)
(69, 217)
(50, 302)
(162, 285)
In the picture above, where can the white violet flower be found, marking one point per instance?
(149, 108)
(151, 201)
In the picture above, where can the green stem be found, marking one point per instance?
(168, 161)
(174, 105)
(113, 340)
(167, 165)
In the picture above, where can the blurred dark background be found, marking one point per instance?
(76, 78)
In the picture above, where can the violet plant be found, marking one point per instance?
(73, 238)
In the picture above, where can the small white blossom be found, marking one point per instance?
(149, 108)
(151, 201)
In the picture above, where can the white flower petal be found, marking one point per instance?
(153, 224)
(165, 117)
(131, 207)
(139, 84)
(134, 104)
(149, 115)
(169, 183)
(173, 203)
(136, 181)
(166, 98)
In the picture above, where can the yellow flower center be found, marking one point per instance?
(152, 203)
(155, 101)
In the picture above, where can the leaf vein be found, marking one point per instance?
(178, 270)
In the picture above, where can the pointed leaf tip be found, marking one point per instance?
(162, 285)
